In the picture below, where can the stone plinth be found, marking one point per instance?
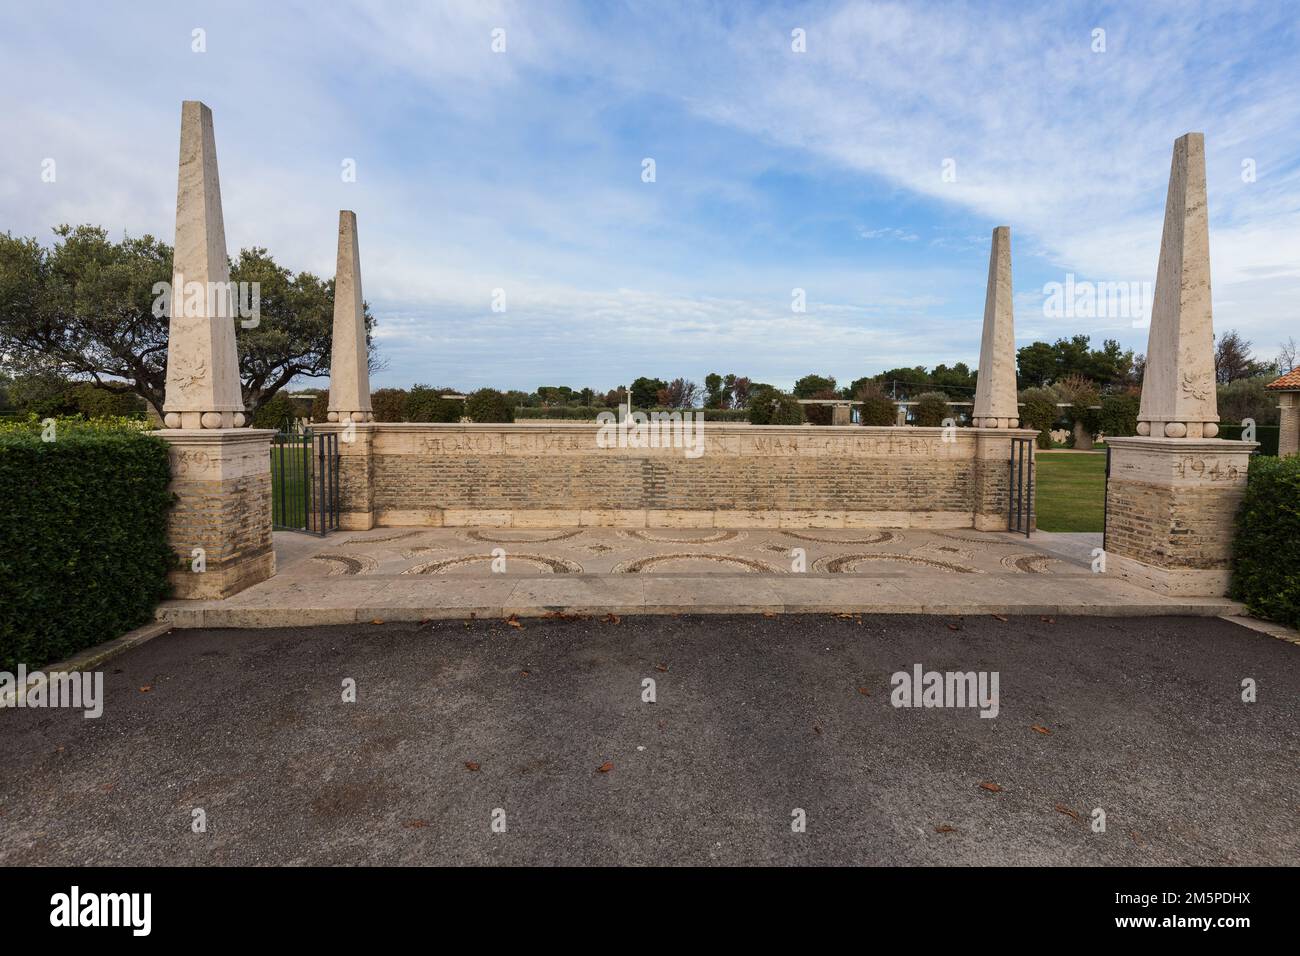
(222, 480)
(1171, 507)
(356, 473)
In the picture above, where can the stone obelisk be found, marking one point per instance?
(1172, 493)
(202, 367)
(1178, 388)
(349, 358)
(995, 388)
(220, 524)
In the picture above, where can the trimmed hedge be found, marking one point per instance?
(769, 406)
(1266, 550)
(83, 539)
(1266, 435)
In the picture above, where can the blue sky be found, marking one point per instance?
(775, 170)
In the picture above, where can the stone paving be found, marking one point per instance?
(422, 573)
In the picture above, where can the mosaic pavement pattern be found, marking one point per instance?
(526, 552)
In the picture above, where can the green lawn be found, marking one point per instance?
(289, 487)
(1071, 491)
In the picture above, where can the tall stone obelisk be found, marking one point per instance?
(220, 524)
(995, 388)
(1178, 389)
(202, 388)
(349, 357)
(1172, 493)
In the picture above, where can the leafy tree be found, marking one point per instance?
(425, 404)
(1233, 359)
(809, 385)
(388, 404)
(770, 406)
(84, 307)
(741, 388)
(1038, 411)
(714, 394)
(877, 407)
(679, 393)
(645, 392)
(488, 405)
(930, 410)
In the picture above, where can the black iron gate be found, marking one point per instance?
(304, 480)
(1020, 494)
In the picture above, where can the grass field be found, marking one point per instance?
(289, 489)
(1071, 491)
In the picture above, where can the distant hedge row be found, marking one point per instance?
(1266, 435)
(1266, 550)
(83, 538)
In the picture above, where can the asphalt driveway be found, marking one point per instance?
(543, 727)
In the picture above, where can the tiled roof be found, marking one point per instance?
(1291, 380)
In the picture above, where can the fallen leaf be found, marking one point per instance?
(378, 620)
(864, 692)
(1040, 729)
(513, 621)
(470, 765)
(1061, 808)
(146, 688)
(944, 828)
(606, 767)
(662, 668)
(954, 627)
(990, 787)
(416, 824)
(523, 673)
(1048, 620)
(769, 614)
(845, 617)
(612, 618)
(817, 729)
(999, 617)
(108, 787)
(1133, 834)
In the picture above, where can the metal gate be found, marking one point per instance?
(304, 480)
(1020, 495)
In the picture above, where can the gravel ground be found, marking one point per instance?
(754, 717)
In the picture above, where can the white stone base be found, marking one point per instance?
(1176, 582)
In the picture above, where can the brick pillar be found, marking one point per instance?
(356, 473)
(1288, 440)
(992, 476)
(840, 415)
(1171, 508)
(222, 481)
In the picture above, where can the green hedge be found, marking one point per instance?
(1266, 550)
(83, 538)
(1266, 435)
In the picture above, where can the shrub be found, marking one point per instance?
(389, 404)
(83, 537)
(1038, 411)
(877, 407)
(278, 411)
(768, 406)
(568, 413)
(488, 405)
(820, 414)
(1119, 415)
(425, 404)
(320, 407)
(930, 410)
(1266, 549)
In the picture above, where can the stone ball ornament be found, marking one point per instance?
(172, 420)
(211, 420)
(1175, 430)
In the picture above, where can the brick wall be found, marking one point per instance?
(558, 474)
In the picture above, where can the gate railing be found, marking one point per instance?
(1020, 498)
(304, 480)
